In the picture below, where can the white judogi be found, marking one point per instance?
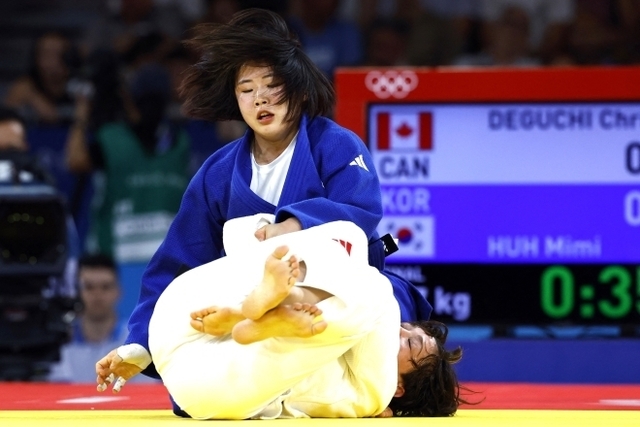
(349, 370)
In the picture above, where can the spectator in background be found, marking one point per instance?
(183, 13)
(439, 30)
(125, 21)
(386, 43)
(13, 131)
(506, 45)
(463, 17)
(328, 41)
(23, 167)
(142, 172)
(364, 12)
(148, 48)
(176, 63)
(220, 11)
(596, 35)
(97, 328)
(549, 21)
(628, 16)
(41, 93)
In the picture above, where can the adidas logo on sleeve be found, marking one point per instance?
(359, 161)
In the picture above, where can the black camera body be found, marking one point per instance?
(34, 319)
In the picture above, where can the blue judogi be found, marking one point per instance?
(324, 183)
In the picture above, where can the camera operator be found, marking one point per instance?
(12, 132)
(19, 167)
(38, 268)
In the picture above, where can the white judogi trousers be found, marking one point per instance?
(349, 370)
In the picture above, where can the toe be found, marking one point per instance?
(197, 325)
(280, 251)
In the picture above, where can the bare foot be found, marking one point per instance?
(216, 321)
(296, 320)
(279, 277)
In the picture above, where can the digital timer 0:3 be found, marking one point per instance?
(614, 295)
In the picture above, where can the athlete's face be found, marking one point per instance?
(415, 345)
(258, 94)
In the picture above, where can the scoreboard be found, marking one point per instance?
(514, 194)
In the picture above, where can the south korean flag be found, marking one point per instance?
(415, 236)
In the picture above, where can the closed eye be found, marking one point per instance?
(419, 345)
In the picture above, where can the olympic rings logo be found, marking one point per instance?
(391, 83)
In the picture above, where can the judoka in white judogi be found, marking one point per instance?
(349, 370)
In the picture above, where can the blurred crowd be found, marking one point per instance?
(103, 111)
(334, 33)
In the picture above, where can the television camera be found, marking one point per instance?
(35, 310)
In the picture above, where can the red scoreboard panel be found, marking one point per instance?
(514, 193)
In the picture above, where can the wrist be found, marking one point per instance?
(294, 224)
(135, 354)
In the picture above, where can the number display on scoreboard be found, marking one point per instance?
(530, 293)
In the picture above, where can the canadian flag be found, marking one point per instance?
(404, 131)
(415, 236)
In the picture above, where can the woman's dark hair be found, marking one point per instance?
(253, 37)
(431, 389)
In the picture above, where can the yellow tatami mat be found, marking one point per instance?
(464, 418)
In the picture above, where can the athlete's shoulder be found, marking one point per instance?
(323, 131)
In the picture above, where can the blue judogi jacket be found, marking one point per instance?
(323, 184)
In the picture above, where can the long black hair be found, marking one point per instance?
(256, 37)
(432, 388)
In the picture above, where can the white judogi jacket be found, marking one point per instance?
(349, 370)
